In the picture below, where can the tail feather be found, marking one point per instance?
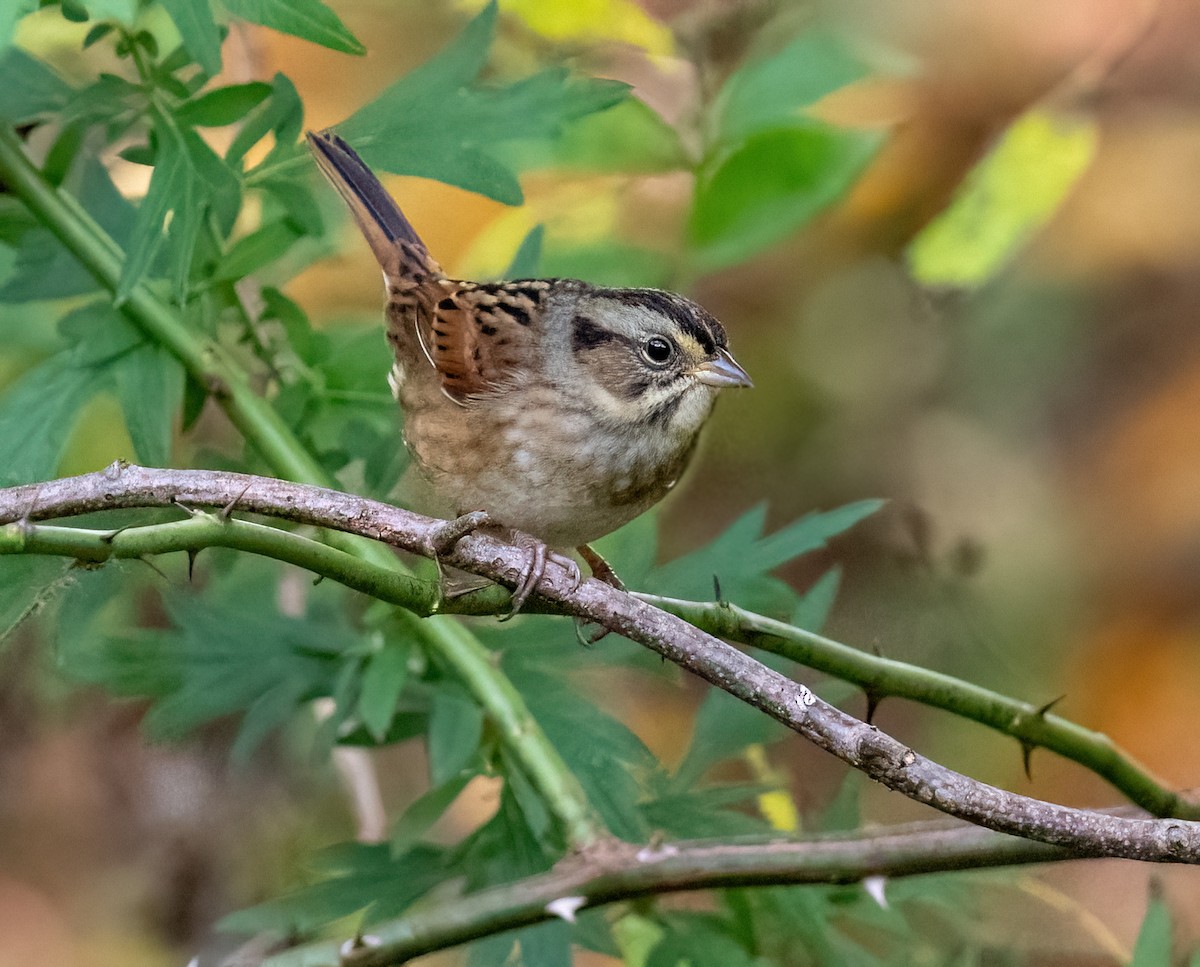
(382, 222)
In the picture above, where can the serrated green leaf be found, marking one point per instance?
(362, 877)
(1005, 199)
(770, 91)
(307, 19)
(1153, 945)
(742, 558)
(770, 185)
(223, 105)
(383, 680)
(31, 87)
(426, 811)
(455, 727)
(393, 133)
(198, 30)
(281, 115)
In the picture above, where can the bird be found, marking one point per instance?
(551, 411)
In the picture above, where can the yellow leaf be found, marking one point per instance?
(590, 20)
(1007, 197)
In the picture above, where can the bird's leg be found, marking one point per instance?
(601, 570)
(539, 555)
(441, 540)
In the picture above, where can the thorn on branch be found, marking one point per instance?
(873, 700)
(227, 511)
(1041, 712)
(718, 597)
(1026, 758)
(192, 554)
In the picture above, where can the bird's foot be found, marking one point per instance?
(535, 570)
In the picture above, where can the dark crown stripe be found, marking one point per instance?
(691, 319)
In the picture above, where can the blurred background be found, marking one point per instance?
(1037, 438)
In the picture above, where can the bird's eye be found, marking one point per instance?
(658, 350)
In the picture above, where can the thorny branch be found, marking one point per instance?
(883, 758)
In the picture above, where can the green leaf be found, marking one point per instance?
(525, 262)
(147, 378)
(38, 413)
(383, 680)
(770, 185)
(10, 13)
(223, 105)
(812, 610)
(281, 115)
(426, 811)
(742, 557)
(393, 132)
(724, 726)
(45, 269)
(455, 728)
(258, 249)
(1153, 945)
(31, 87)
(362, 877)
(198, 30)
(307, 19)
(1006, 198)
(27, 583)
(149, 383)
(769, 92)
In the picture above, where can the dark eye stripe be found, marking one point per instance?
(586, 334)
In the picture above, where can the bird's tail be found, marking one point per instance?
(391, 236)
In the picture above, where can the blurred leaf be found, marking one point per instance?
(11, 12)
(769, 92)
(525, 262)
(1153, 945)
(545, 944)
(31, 87)
(223, 105)
(1008, 196)
(770, 185)
(198, 30)
(38, 413)
(705, 813)
(629, 137)
(724, 726)
(147, 378)
(426, 811)
(812, 610)
(27, 583)
(282, 114)
(307, 19)
(697, 940)
(609, 760)
(45, 269)
(393, 132)
(363, 877)
(383, 680)
(594, 21)
(610, 264)
(254, 251)
(455, 728)
(742, 557)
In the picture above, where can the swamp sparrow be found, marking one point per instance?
(560, 409)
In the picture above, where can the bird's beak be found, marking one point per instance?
(721, 371)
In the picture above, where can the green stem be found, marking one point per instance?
(218, 372)
(884, 677)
